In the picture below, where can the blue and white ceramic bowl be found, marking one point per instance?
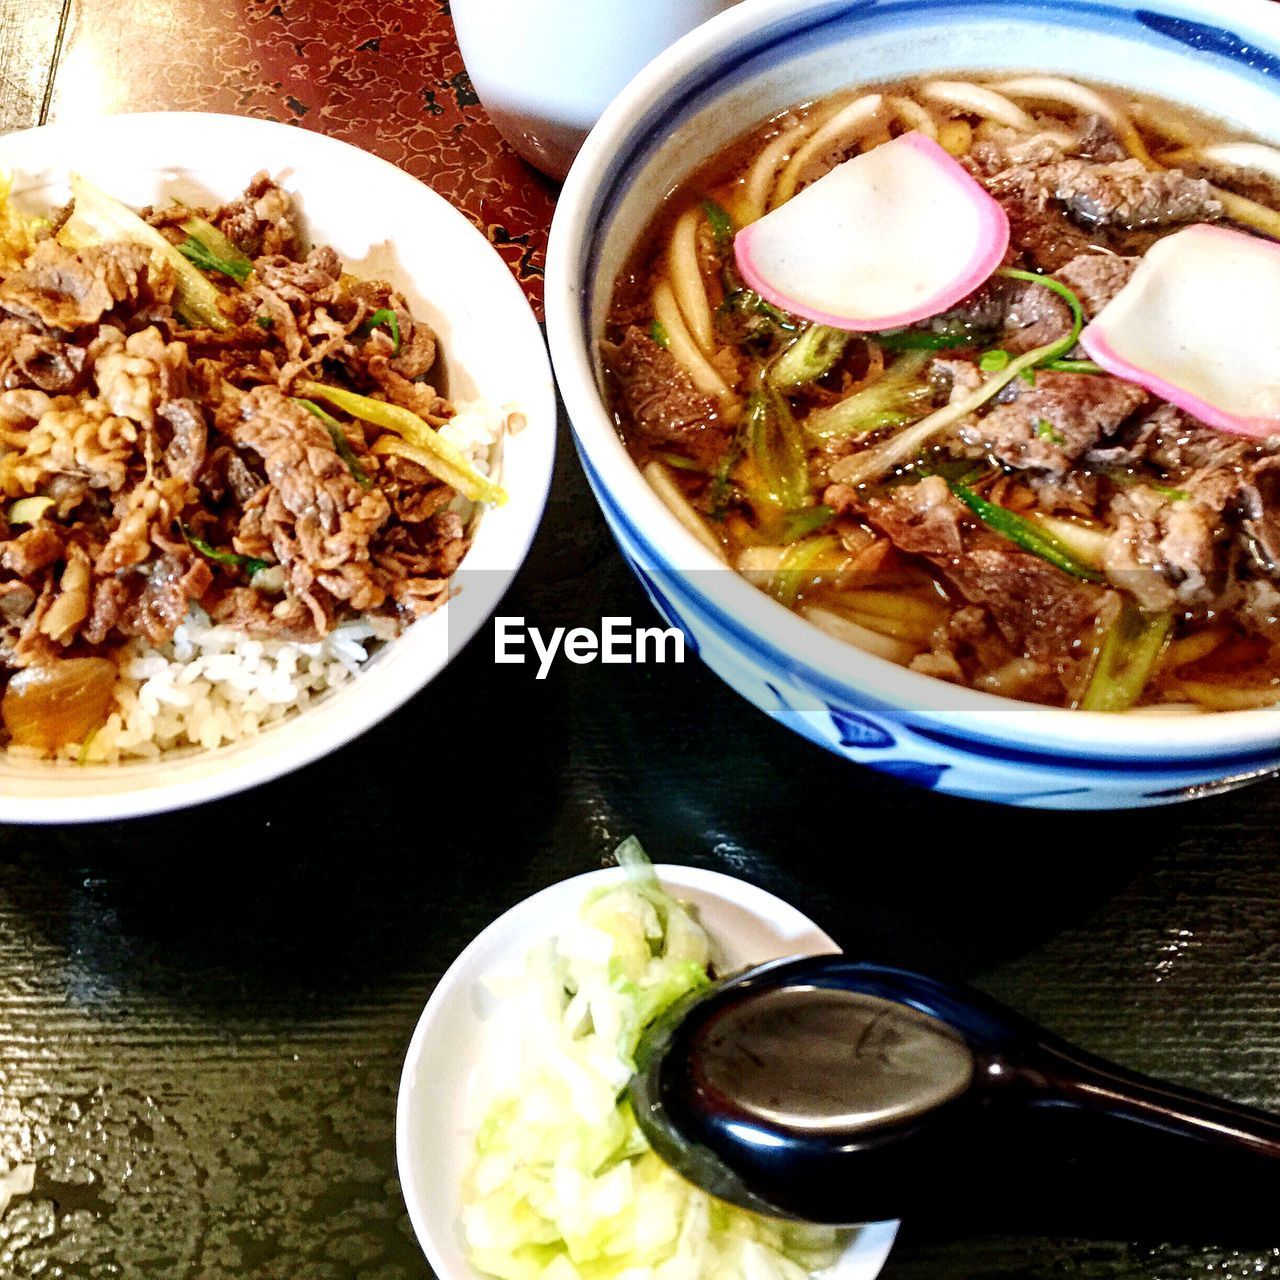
(1222, 56)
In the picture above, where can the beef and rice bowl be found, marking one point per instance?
(227, 473)
(981, 375)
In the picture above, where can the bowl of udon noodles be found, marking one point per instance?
(1009, 536)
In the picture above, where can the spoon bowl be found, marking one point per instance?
(833, 1090)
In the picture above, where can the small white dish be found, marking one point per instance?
(384, 224)
(433, 1144)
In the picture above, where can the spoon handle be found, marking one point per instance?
(1164, 1125)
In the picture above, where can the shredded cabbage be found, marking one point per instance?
(564, 1185)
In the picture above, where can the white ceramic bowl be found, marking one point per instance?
(384, 224)
(546, 71)
(433, 1145)
(1222, 56)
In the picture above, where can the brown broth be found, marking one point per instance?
(842, 568)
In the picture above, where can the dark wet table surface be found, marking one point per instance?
(203, 1015)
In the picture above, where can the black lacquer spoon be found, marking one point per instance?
(838, 1091)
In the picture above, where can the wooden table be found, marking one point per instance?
(203, 1015)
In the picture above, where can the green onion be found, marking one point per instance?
(1045, 430)
(217, 243)
(777, 447)
(921, 340)
(1073, 366)
(1174, 495)
(995, 360)
(748, 302)
(808, 521)
(1024, 533)
(340, 442)
(808, 357)
(658, 332)
(680, 462)
(29, 510)
(264, 322)
(895, 398)
(721, 489)
(200, 255)
(98, 218)
(720, 223)
(1129, 653)
(1060, 348)
(385, 316)
(446, 462)
(250, 564)
(796, 567)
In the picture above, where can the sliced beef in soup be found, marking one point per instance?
(970, 485)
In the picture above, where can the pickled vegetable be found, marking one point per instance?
(58, 702)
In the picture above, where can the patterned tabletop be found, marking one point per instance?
(386, 77)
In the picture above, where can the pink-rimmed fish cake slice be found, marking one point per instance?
(1199, 326)
(886, 239)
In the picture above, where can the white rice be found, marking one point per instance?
(213, 685)
(475, 428)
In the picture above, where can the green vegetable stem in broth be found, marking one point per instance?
(970, 493)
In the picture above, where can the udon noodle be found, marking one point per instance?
(945, 495)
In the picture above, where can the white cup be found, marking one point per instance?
(546, 69)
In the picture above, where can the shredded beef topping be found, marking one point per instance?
(1172, 442)
(1038, 610)
(1127, 194)
(955, 378)
(64, 290)
(1259, 496)
(43, 361)
(1098, 141)
(317, 518)
(260, 221)
(1166, 548)
(172, 466)
(1096, 278)
(1017, 315)
(1041, 233)
(1122, 193)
